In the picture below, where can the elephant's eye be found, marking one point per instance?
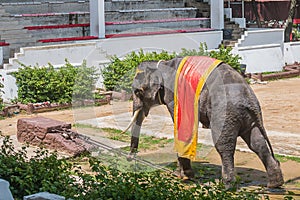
(139, 93)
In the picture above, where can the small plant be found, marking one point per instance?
(118, 75)
(223, 53)
(226, 56)
(193, 52)
(47, 84)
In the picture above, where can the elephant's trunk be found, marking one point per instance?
(135, 131)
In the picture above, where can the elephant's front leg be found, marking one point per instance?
(185, 170)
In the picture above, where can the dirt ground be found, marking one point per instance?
(280, 102)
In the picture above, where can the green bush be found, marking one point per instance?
(118, 75)
(226, 56)
(223, 53)
(44, 171)
(41, 84)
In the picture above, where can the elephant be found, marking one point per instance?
(227, 106)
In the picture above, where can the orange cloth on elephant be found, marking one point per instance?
(190, 79)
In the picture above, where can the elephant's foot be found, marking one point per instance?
(230, 183)
(275, 179)
(185, 171)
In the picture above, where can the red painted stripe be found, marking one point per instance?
(296, 21)
(4, 44)
(67, 39)
(56, 26)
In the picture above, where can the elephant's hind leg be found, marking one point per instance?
(225, 146)
(256, 142)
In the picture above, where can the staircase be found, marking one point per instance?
(18, 20)
(203, 8)
(13, 33)
(232, 32)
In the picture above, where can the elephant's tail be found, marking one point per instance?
(258, 122)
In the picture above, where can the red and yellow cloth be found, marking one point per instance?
(190, 79)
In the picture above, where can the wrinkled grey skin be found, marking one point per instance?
(227, 106)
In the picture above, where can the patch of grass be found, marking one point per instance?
(77, 125)
(146, 142)
(282, 158)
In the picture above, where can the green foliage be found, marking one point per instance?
(118, 75)
(42, 172)
(41, 84)
(282, 158)
(223, 53)
(1, 86)
(193, 52)
(47, 172)
(146, 142)
(226, 56)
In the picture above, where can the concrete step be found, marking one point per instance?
(203, 8)
(20, 42)
(59, 33)
(34, 6)
(231, 26)
(18, 34)
(229, 43)
(10, 18)
(114, 5)
(56, 19)
(151, 14)
(155, 25)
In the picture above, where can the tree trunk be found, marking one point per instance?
(289, 26)
(254, 8)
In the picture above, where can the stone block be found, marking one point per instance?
(52, 134)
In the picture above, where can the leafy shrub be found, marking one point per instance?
(118, 75)
(41, 84)
(202, 51)
(226, 56)
(223, 53)
(46, 172)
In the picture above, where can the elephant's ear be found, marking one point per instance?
(155, 82)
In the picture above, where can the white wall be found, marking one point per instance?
(261, 37)
(262, 58)
(292, 52)
(262, 50)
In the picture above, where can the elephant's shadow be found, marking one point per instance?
(246, 177)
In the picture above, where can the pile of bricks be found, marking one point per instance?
(52, 134)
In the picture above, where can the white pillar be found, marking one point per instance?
(217, 14)
(97, 18)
